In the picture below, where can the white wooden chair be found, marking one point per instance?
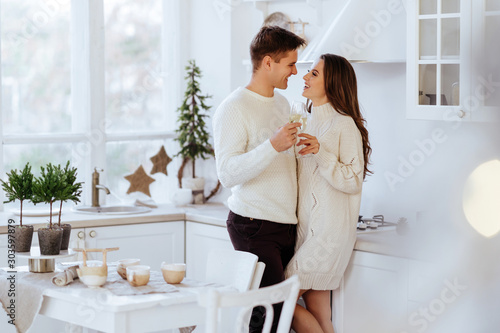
(257, 275)
(232, 268)
(286, 291)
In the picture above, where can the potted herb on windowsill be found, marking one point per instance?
(19, 186)
(68, 190)
(45, 189)
(192, 134)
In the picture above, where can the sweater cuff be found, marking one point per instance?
(268, 148)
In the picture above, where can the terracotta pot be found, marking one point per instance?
(23, 237)
(50, 240)
(198, 187)
(66, 235)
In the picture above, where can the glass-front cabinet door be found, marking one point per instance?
(438, 61)
(452, 59)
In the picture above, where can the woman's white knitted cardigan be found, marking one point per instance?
(330, 185)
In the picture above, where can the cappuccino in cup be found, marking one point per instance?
(138, 275)
(121, 269)
(173, 273)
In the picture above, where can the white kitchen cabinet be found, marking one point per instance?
(200, 239)
(428, 294)
(373, 296)
(150, 242)
(452, 71)
(77, 240)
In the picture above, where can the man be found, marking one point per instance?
(252, 136)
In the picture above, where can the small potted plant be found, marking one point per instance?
(45, 189)
(68, 189)
(19, 186)
(192, 134)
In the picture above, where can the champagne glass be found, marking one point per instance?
(294, 117)
(298, 114)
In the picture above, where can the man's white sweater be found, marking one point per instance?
(263, 181)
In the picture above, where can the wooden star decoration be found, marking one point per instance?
(139, 181)
(160, 161)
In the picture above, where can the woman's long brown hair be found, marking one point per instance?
(342, 92)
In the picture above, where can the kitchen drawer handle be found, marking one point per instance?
(81, 235)
(92, 233)
(461, 113)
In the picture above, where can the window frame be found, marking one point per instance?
(88, 90)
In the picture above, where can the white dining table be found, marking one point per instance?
(100, 309)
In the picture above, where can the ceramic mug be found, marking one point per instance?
(173, 273)
(138, 275)
(121, 269)
(93, 276)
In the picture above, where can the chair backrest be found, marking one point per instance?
(230, 267)
(257, 275)
(286, 291)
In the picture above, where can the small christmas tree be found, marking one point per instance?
(46, 187)
(19, 187)
(192, 134)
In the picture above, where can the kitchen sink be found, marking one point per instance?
(112, 210)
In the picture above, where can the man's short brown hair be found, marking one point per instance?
(275, 42)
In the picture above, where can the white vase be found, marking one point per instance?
(182, 196)
(197, 185)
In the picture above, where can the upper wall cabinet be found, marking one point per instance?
(452, 67)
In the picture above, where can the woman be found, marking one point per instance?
(330, 184)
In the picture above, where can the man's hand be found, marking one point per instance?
(285, 136)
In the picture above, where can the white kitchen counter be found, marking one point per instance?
(387, 242)
(381, 241)
(164, 213)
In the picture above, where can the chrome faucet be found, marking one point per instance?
(96, 187)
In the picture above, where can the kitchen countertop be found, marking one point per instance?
(387, 242)
(382, 241)
(164, 213)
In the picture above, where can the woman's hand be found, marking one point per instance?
(310, 142)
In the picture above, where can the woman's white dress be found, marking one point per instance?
(329, 200)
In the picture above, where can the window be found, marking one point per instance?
(36, 86)
(133, 78)
(85, 81)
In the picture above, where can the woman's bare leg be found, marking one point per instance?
(318, 305)
(303, 321)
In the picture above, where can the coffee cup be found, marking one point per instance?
(93, 276)
(121, 269)
(138, 275)
(173, 273)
